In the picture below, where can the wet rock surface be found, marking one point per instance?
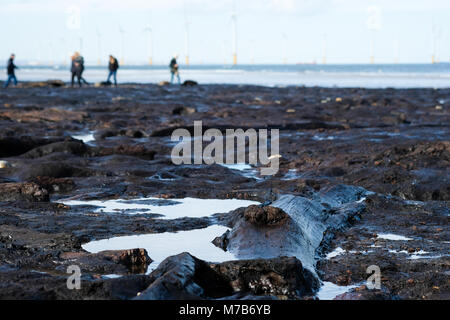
(336, 145)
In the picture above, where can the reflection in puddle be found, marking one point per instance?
(171, 209)
(329, 290)
(86, 138)
(237, 166)
(162, 245)
(393, 237)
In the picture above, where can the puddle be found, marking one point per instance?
(170, 209)
(162, 245)
(291, 175)
(244, 169)
(238, 166)
(329, 290)
(86, 137)
(323, 137)
(393, 237)
(339, 251)
(111, 276)
(336, 252)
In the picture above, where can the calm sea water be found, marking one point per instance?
(371, 76)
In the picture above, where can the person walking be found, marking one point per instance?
(174, 69)
(77, 69)
(113, 66)
(11, 67)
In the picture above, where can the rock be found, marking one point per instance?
(265, 216)
(163, 83)
(185, 277)
(53, 170)
(4, 164)
(222, 241)
(13, 146)
(183, 111)
(366, 294)
(56, 83)
(113, 261)
(189, 83)
(75, 147)
(27, 191)
(103, 84)
(283, 277)
(59, 185)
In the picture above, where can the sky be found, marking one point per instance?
(268, 31)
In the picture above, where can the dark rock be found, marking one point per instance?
(23, 192)
(113, 261)
(185, 277)
(180, 111)
(283, 277)
(265, 216)
(75, 147)
(189, 83)
(53, 170)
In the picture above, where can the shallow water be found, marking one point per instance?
(393, 237)
(329, 290)
(170, 209)
(162, 245)
(85, 137)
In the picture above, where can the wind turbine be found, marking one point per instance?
(149, 31)
(63, 43)
(52, 53)
(396, 49)
(99, 47)
(373, 24)
(252, 54)
(285, 47)
(122, 32)
(234, 30)
(324, 49)
(186, 35)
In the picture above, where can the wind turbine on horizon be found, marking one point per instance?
(149, 31)
(186, 35)
(122, 58)
(234, 31)
(324, 49)
(99, 47)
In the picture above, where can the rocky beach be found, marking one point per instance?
(87, 180)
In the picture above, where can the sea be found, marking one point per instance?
(348, 75)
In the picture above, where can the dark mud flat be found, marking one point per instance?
(363, 180)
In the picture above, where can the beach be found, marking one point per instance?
(83, 165)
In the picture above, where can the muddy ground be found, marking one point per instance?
(392, 142)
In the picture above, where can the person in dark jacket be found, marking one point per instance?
(11, 67)
(77, 69)
(174, 69)
(113, 66)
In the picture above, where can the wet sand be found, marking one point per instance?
(393, 143)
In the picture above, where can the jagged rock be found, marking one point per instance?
(111, 261)
(183, 111)
(27, 191)
(75, 147)
(265, 215)
(283, 277)
(189, 83)
(185, 277)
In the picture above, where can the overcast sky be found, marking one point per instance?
(268, 30)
